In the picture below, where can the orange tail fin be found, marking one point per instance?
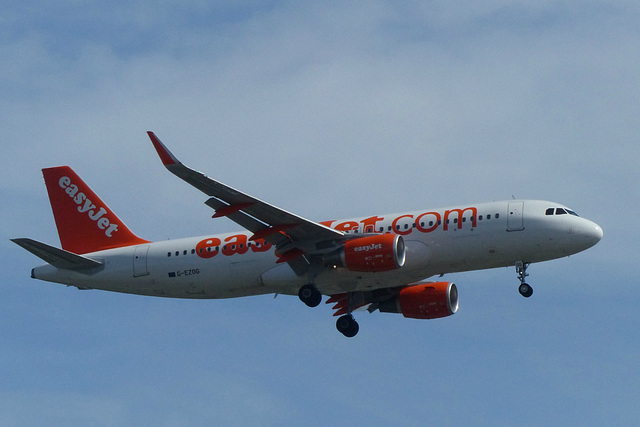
(85, 223)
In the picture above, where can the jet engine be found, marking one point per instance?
(424, 301)
(383, 252)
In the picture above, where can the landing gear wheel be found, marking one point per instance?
(521, 269)
(525, 290)
(348, 326)
(310, 295)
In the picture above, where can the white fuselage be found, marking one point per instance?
(438, 241)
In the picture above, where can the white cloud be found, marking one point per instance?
(327, 110)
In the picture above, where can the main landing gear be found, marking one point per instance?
(524, 288)
(346, 324)
(310, 295)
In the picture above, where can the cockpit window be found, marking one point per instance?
(560, 211)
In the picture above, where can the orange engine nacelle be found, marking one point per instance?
(424, 301)
(381, 252)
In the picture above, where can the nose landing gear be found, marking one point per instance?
(524, 288)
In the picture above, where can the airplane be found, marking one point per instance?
(379, 262)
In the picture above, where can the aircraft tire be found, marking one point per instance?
(525, 290)
(347, 326)
(310, 295)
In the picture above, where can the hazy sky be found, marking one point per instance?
(329, 110)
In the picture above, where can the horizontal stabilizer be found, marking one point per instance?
(59, 258)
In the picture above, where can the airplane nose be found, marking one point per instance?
(583, 234)
(592, 233)
(597, 232)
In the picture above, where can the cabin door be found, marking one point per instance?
(514, 216)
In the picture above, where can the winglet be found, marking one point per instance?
(166, 156)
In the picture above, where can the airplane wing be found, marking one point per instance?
(291, 234)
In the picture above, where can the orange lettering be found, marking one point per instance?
(436, 222)
(397, 230)
(235, 245)
(460, 212)
(369, 224)
(207, 248)
(347, 226)
(259, 245)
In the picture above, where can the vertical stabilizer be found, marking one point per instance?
(85, 223)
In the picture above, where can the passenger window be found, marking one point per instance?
(479, 217)
(497, 215)
(489, 216)
(185, 252)
(168, 254)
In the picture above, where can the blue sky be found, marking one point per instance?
(328, 110)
